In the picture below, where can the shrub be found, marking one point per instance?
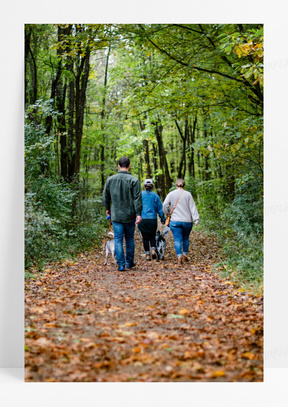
(58, 222)
(239, 228)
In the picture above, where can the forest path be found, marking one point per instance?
(158, 322)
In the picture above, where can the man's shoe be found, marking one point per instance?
(129, 266)
(153, 252)
(121, 268)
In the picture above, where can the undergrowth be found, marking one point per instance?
(51, 238)
(241, 254)
(239, 230)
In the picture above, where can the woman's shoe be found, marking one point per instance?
(148, 258)
(180, 261)
(185, 259)
(153, 253)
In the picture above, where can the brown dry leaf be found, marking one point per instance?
(43, 342)
(184, 311)
(188, 355)
(248, 355)
(152, 335)
(37, 309)
(90, 345)
(160, 322)
(197, 366)
(128, 324)
(217, 373)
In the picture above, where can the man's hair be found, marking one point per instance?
(124, 162)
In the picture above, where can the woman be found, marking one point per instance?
(182, 218)
(148, 226)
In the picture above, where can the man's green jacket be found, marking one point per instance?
(122, 196)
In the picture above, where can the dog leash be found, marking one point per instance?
(110, 223)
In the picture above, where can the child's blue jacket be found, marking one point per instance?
(152, 206)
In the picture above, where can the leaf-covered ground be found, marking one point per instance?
(159, 322)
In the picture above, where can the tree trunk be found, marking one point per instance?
(60, 105)
(206, 162)
(33, 67)
(27, 48)
(172, 161)
(191, 164)
(70, 137)
(159, 178)
(80, 97)
(167, 183)
(148, 172)
(103, 114)
(229, 187)
(184, 137)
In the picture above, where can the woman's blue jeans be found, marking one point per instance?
(126, 230)
(181, 232)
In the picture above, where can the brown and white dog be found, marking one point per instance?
(161, 243)
(109, 248)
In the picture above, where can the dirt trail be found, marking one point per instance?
(159, 322)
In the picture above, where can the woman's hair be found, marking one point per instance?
(180, 183)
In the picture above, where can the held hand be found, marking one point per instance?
(108, 212)
(138, 219)
(196, 223)
(163, 220)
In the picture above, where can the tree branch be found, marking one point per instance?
(181, 134)
(188, 65)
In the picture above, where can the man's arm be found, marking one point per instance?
(138, 219)
(137, 199)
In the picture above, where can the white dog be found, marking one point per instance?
(109, 248)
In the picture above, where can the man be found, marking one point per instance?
(122, 199)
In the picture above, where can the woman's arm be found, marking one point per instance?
(193, 209)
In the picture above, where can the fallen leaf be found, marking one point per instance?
(184, 311)
(248, 355)
(128, 324)
(37, 309)
(217, 373)
(43, 342)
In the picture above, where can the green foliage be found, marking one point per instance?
(239, 227)
(38, 145)
(42, 233)
(247, 44)
(50, 238)
(58, 221)
(246, 211)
